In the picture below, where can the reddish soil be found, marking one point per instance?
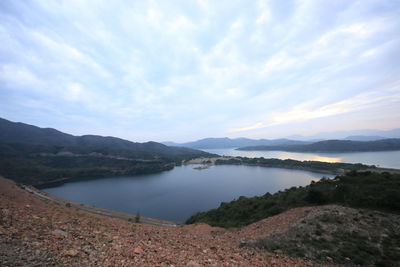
(36, 232)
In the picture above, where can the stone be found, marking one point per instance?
(193, 264)
(59, 233)
(138, 250)
(72, 252)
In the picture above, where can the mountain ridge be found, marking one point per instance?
(18, 132)
(393, 133)
(225, 142)
(44, 156)
(334, 146)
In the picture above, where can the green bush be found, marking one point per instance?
(356, 189)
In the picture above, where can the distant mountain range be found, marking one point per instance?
(211, 143)
(334, 146)
(225, 142)
(355, 135)
(365, 138)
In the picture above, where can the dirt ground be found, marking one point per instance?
(36, 232)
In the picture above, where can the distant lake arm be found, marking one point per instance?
(315, 166)
(332, 146)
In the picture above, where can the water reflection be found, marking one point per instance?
(386, 159)
(326, 159)
(177, 194)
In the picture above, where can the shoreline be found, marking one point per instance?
(204, 164)
(338, 171)
(207, 162)
(42, 233)
(100, 211)
(60, 181)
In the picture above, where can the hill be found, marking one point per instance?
(39, 156)
(338, 135)
(334, 146)
(364, 138)
(365, 232)
(340, 235)
(17, 132)
(356, 189)
(213, 143)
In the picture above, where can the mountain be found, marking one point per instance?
(364, 138)
(45, 156)
(394, 133)
(210, 143)
(17, 132)
(335, 146)
(225, 142)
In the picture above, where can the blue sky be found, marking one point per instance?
(185, 70)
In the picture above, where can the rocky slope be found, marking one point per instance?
(341, 235)
(35, 232)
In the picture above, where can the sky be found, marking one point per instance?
(185, 70)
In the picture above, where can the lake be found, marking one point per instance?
(385, 159)
(181, 192)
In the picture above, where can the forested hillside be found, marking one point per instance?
(355, 189)
(33, 155)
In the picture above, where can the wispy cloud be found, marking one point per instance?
(305, 112)
(15, 76)
(247, 128)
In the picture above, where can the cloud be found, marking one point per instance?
(15, 76)
(305, 112)
(74, 91)
(247, 128)
(198, 66)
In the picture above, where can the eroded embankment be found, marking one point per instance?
(35, 231)
(99, 211)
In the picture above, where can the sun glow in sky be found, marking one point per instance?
(185, 70)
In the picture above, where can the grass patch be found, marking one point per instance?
(337, 238)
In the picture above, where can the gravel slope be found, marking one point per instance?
(35, 232)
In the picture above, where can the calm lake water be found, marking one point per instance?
(386, 159)
(177, 194)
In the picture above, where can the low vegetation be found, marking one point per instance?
(318, 166)
(340, 235)
(39, 156)
(366, 232)
(355, 189)
(43, 165)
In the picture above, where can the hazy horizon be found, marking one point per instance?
(391, 133)
(183, 71)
